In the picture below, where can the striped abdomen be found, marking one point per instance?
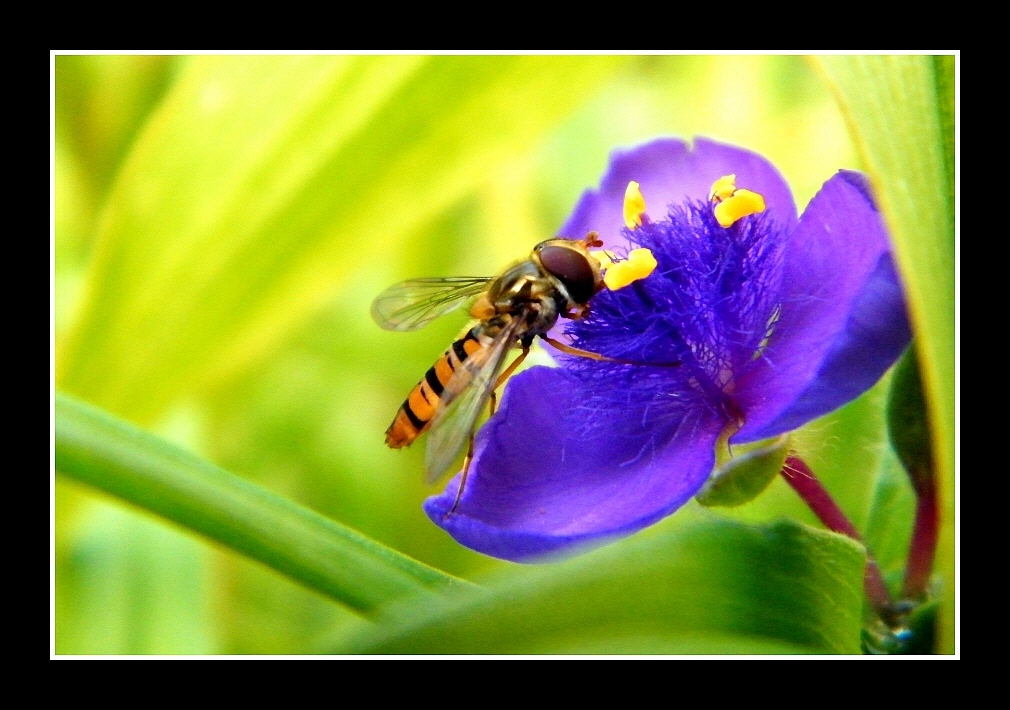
(417, 410)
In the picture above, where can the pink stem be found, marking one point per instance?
(805, 483)
(923, 545)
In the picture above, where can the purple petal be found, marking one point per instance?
(843, 321)
(549, 477)
(669, 172)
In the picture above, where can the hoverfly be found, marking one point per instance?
(558, 279)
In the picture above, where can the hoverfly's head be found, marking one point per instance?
(571, 263)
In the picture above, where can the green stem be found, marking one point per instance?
(95, 448)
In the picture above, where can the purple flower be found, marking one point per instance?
(773, 320)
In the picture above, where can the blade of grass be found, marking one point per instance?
(900, 112)
(98, 449)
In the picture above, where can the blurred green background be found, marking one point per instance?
(221, 227)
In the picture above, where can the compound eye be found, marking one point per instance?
(571, 268)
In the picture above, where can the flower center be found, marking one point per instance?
(709, 303)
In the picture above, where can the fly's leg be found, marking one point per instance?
(494, 405)
(505, 375)
(462, 481)
(569, 350)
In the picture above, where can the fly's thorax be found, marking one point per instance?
(515, 286)
(542, 319)
(527, 291)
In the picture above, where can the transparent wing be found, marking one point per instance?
(412, 304)
(462, 401)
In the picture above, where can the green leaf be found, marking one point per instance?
(240, 209)
(900, 110)
(95, 448)
(709, 587)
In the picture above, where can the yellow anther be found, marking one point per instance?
(739, 205)
(634, 206)
(723, 188)
(733, 204)
(639, 264)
